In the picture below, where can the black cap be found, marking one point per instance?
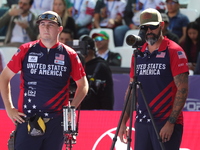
(51, 16)
(89, 41)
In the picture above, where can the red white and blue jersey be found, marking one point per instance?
(155, 72)
(44, 87)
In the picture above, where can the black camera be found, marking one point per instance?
(96, 85)
(134, 40)
(137, 40)
(80, 47)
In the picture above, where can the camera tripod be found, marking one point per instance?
(132, 89)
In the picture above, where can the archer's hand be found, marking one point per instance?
(15, 116)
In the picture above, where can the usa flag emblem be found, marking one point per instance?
(160, 55)
(59, 56)
(181, 55)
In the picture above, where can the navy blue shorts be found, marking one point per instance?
(146, 139)
(52, 139)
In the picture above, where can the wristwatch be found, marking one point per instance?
(172, 120)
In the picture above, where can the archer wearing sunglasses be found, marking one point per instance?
(162, 70)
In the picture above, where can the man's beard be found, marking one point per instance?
(152, 40)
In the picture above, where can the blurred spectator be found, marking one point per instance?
(99, 75)
(191, 44)
(60, 7)
(69, 5)
(3, 9)
(144, 4)
(132, 16)
(129, 13)
(82, 12)
(156, 4)
(66, 35)
(21, 24)
(177, 21)
(122, 29)
(101, 41)
(40, 6)
(109, 14)
(11, 2)
(166, 32)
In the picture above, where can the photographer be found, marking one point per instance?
(162, 70)
(99, 75)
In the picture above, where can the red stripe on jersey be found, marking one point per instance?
(161, 94)
(58, 103)
(167, 114)
(21, 94)
(56, 96)
(21, 101)
(163, 102)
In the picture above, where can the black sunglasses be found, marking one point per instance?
(151, 27)
(48, 17)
